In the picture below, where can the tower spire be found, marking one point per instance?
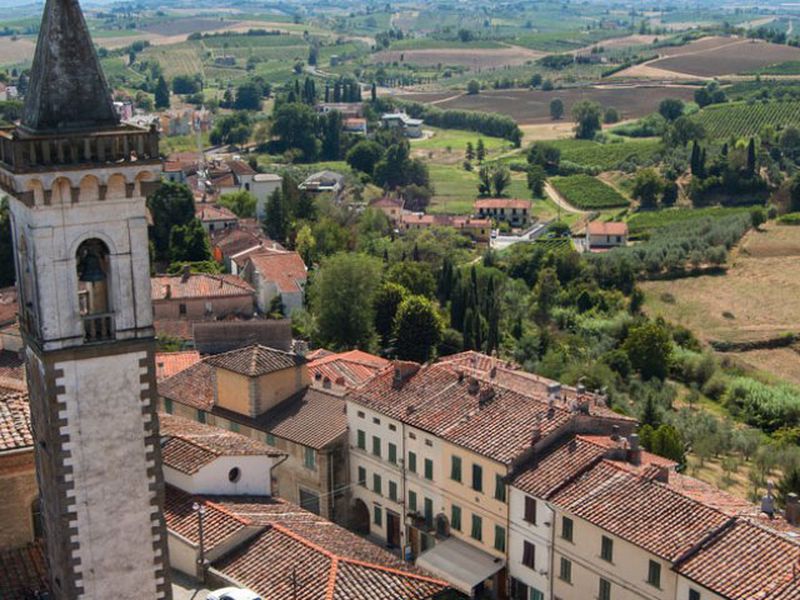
(67, 89)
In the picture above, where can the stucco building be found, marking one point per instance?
(198, 296)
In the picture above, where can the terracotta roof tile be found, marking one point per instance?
(502, 203)
(240, 167)
(214, 212)
(286, 269)
(198, 285)
(643, 511)
(256, 360)
(188, 446)
(349, 369)
(23, 572)
(547, 473)
(234, 240)
(172, 363)
(181, 329)
(15, 422)
(607, 228)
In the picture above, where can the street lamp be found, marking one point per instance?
(201, 561)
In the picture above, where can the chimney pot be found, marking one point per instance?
(615, 433)
(474, 386)
(186, 273)
(634, 451)
(326, 383)
(792, 512)
(493, 372)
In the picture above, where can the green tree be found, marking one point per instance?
(751, 158)
(649, 348)
(295, 125)
(470, 153)
(242, 203)
(611, 116)
(364, 155)
(417, 330)
(189, 243)
(162, 93)
(248, 96)
(556, 108)
(536, 179)
(545, 293)
(501, 179)
(671, 108)
(331, 135)
(586, 115)
(484, 181)
(172, 205)
(668, 442)
(305, 244)
(276, 219)
(342, 300)
(396, 168)
(387, 300)
(416, 277)
(480, 150)
(473, 87)
(647, 187)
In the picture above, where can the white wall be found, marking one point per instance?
(255, 477)
(539, 535)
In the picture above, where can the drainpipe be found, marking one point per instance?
(551, 571)
(403, 530)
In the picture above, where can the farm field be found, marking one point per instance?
(184, 26)
(587, 192)
(533, 106)
(472, 58)
(754, 300)
(456, 189)
(449, 145)
(743, 119)
(740, 56)
(642, 222)
(606, 156)
(13, 52)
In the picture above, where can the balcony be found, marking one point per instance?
(98, 327)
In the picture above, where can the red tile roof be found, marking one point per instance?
(746, 561)
(12, 371)
(256, 360)
(23, 572)
(171, 363)
(214, 212)
(491, 203)
(234, 240)
(198, 285)
(336, 564)
(188, 446)
(240, 167)
(607, 228)
(643, 511)
(546, 474)
(15, 422)
(181, 329)
(349, 369)
(388, 202)
(286, 269)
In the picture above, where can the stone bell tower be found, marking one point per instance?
(78, 180)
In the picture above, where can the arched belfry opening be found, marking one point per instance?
(93, 290)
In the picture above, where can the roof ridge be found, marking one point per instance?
(304, 540)
(188, 440)
(369, 565)
(330, 591)
(204, 501)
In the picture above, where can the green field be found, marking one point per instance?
(457, 140)
(742, 119)
(643, 222)
(791, 67)
(606, 157)
(587, 192)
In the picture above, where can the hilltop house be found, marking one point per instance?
(411, 128)
(513, 211)
(603, 235)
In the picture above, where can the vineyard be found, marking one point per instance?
(180, 59)
(741, 119)
(562, 243)
(586, 192)
(644, 222)
(605, 157)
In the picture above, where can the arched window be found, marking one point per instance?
(93, 298)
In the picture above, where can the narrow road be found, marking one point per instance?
(561, 201)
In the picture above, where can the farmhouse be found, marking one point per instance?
(513, 211)
(600, 235)
(347, 109)
(354, 125)
(391, 207)
(411, 128)
(215, 217)
(323, 181)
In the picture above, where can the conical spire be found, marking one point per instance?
(67, 89)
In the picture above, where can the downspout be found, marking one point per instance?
(551, 570)
(403, 530)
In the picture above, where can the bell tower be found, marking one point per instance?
(78, 180)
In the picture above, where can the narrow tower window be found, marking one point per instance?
(93, 299)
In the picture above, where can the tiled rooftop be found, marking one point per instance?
(15, 422)
(255, 360)
(23, 572)
(171, 363)
(285, 269)
(214, 212)
(187, 445)
(198, 285)
(349, 369)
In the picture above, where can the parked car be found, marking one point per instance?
(233, 593)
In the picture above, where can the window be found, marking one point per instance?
(361, 414)
(376, 483)
(536, 594)
(428, 513)
(455, 517)
(362, 476)
(565, 571)
(309, 500)
(477, 528)
(392, 491)
(604, 593)
(309, 458)
(654, 574)
(361, 440)
(694, 595)
(376, 420)
(392, 453)
(377, 516)
(392, 427)
(566, 528)
(412, 435)
(528, 555)
(412, 501)
(428, 469)
(201, 416)
(455, 468)
(412, 462)
(233, 427)
(234, 475)
(428, 442)
(168, 406)
(182, 309)
(477, 478)
(499, 488)
(270, 439)
(607, 549)
(376, 445)
(499, 538)
(530, 510)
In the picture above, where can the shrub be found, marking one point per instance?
(763, 406)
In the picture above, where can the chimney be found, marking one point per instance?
(536, 435)
(553, 389)
(634, 451)
(768, 502)
(662, 474)
(326, 383)
(485, 396)
(615, 433)
(186, 272)
(473, 386)
(792, 512)
(167, 291)
(397, 379)
(580, 389)
(493, 372)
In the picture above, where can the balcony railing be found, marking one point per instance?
(98, 327)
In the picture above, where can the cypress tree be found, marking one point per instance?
(751, 158)
(374, 92)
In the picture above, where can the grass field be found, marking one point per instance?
(742, 119)
(755, 299)
(472, 58)
(588, 193)
(606, 156)
(457, 189)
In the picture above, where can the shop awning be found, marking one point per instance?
(460, 564)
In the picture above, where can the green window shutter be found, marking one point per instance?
(362, 440)
(412, 462)
(455, 517)
(455, 468)
(477, 478)
(412, 501)
(376, 483)
(362, 476)
(499, 538)
(376, 445)
(378, 516)
(499, 488)
(392, 453)
(392, 491)
(429, 469)
(477, 528)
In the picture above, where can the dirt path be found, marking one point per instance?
(561, 201)
(448, 99)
